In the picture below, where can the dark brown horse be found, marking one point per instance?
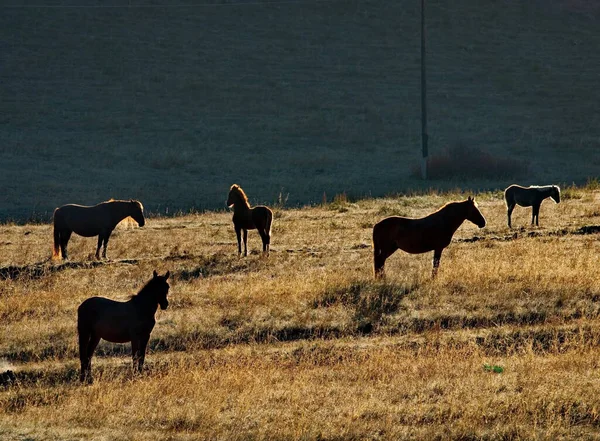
(120, 322)
(529, 197)
(99, 220)
(430, 233)
(246, 218)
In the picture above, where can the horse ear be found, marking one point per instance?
(167, 275)
(470, 198)
(155, 274)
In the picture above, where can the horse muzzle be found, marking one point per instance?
(142, 223)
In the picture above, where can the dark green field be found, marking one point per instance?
(172, 105)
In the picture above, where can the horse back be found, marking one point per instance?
(108, 319)
(259, 217)
(262, 217)
(388, 229)
(523, 196)
(96, 308)
(414, 236)
(83, 220)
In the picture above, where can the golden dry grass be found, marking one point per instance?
(305, 344)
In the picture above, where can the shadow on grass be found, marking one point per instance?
(541, 340)
(218, 264)
(523, 232)
(371, 300)
(43, 269)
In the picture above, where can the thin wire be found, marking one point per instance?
(194, 5)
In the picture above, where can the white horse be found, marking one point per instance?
(529, 197)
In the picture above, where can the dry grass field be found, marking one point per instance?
(305, 344)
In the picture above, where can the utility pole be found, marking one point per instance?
(424, 136)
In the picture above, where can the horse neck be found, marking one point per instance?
(241, 206)
(545, 192)
(120, 210)
(146, 300)
(452, 215)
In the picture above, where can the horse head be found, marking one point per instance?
(137, 212)
(161, 288)
(236, 195)
(555, 195)
(473, 213)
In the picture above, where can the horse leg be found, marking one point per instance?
(99, 246)
(65, 235)
(141, 356)
(238, 233)
(265, 240)
(509, 210)
(245, 242)
(106, 237)
(536, 215)
(84, 341)
(437, 255)
(91, 347)
(138, 352)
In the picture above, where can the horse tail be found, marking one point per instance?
(508, 196)
(56, 247)
(377, 251)
(268, 225)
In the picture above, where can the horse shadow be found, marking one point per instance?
(45, 268)
(37, 377)
(370, 300)
(217, 265)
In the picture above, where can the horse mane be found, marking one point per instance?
(452, 203)
(545, 187)
(144, 290)
(138, 203)
(240, 193)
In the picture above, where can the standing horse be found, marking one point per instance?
(246, 218)
(120, 322)
(99, 220)
(430, 233)
(529, 197)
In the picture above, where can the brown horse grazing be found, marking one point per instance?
(529, 197)
(430, 233)
(246, 218)
(120, 322)
(99, 220)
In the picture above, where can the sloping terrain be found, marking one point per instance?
(305, 344)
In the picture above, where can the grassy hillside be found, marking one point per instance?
(172, 105)
(306, 345)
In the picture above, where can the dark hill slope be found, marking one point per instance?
(171, 105)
